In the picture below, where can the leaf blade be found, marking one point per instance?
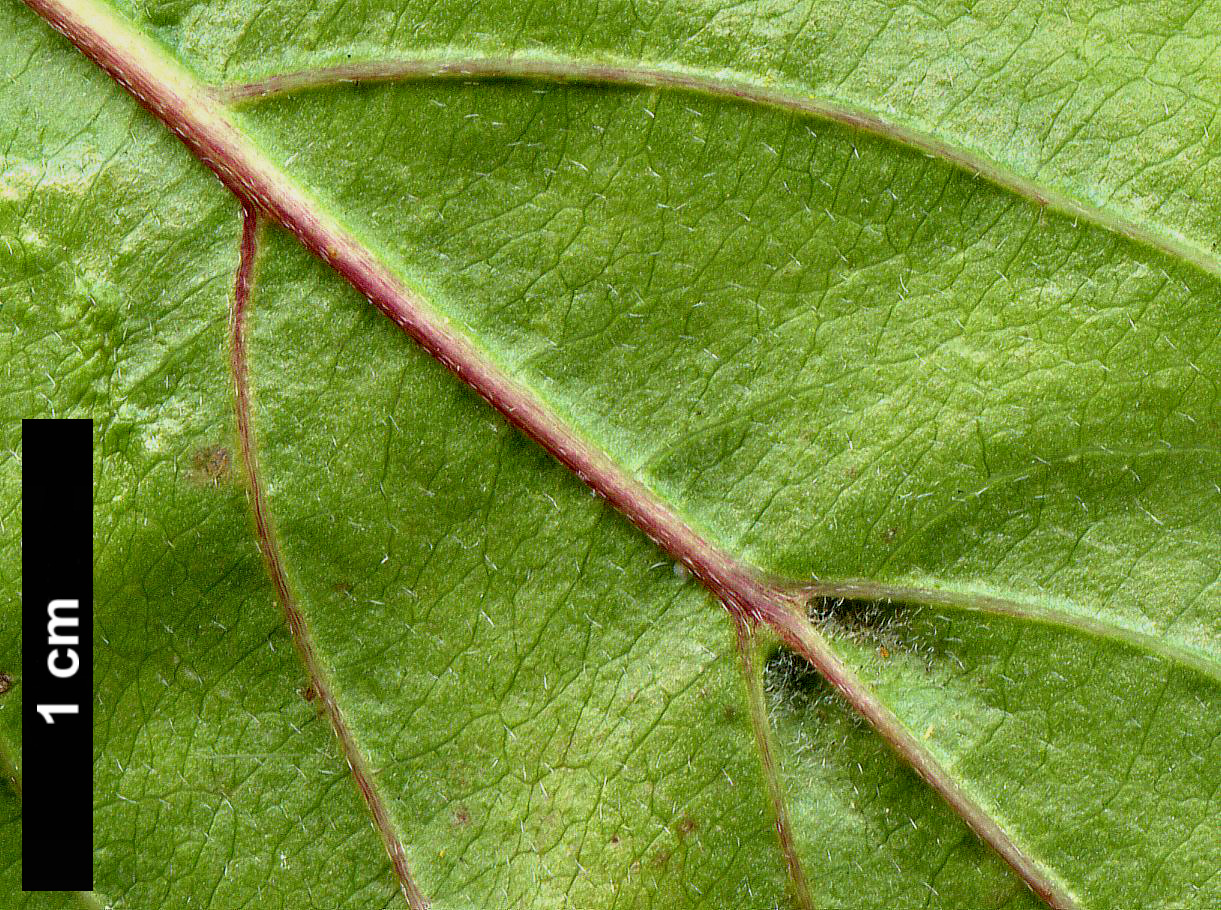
(684, 495)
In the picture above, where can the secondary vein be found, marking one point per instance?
(1113, 630)
(735, 87)
(274, 561)
(746, 641)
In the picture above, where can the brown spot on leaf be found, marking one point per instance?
(212, 466)
(462, 817)
(686, 826)
(308, 692)
(6, 683)
(890, 534)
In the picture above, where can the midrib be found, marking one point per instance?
(552, 67)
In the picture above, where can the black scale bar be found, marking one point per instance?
(57, 654)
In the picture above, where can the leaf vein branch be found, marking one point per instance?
(1187, 655)
(731, 86)
(760, 723)
(274, 561)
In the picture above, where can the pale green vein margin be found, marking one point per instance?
(89, 900)
(722, 85)
(8, 764)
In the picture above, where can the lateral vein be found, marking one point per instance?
(274, 561)
(1185, 654)
(735, 87)
(745, 639)
(799, 633)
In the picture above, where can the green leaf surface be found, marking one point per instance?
(911, 311)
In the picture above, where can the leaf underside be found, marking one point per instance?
(843, 361)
